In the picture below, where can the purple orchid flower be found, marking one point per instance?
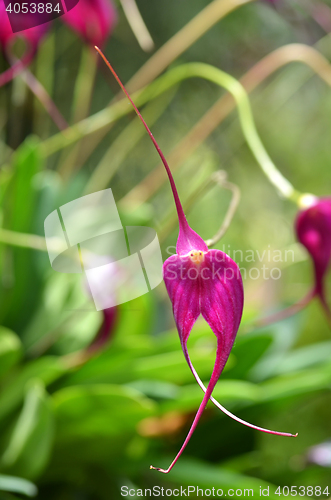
(200, 281)
(313, 228)
(93, 20)
(31, 36)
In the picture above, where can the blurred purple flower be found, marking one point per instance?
(320, 454)
(93, 20)
(32, 38)
(313, 229)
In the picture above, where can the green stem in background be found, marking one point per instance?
(176, 75)
(137, 24)
(81, 104)
(44, 73)
(223, 107)
(42, 95)
(40, 92)
(253, 140)
(124, 143)
(170, 51)
(24, 240)
(219, 177)
(84, 83)
(182, 40)
(111, 113)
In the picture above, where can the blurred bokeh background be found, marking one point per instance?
(79, 422)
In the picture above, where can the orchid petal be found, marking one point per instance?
(184, 294)
(93, 20)
(313, 228)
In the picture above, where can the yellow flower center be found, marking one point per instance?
(196, 256)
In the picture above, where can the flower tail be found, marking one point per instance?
(224, 410)
(217, 370)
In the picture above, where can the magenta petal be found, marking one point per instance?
(188, 239)
(184, 293)
(313, 228)
(222, 298)
(93, 20)
(213, 288)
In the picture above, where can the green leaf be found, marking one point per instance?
(27, 162)
(99, 411)
(10, 350)
(17, 485)
(196, 473)
(304, 357)
(47, 369)
(247, 350)
(31, 441)
(19, 208)
(189, 397)
(293, 384)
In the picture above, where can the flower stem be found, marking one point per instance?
(220, 178)
(124, 143)
(84, 85)
(253, 140)
(172, 49)
(110, 114)
(137, 24)
(22, 240)
(40, 92)
(181, 216)
(182, 40)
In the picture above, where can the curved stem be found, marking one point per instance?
(102, 119)
(325, 307)
(137, 24)
(181, 215)
(124, 144)
(41, 93)
(220, 178)
(172, 49)
(22, 240)
(224, 410)
(217, 370)
(222, 108)
(253, 140)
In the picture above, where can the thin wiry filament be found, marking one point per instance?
(224, 410)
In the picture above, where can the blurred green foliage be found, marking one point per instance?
(81, 430)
